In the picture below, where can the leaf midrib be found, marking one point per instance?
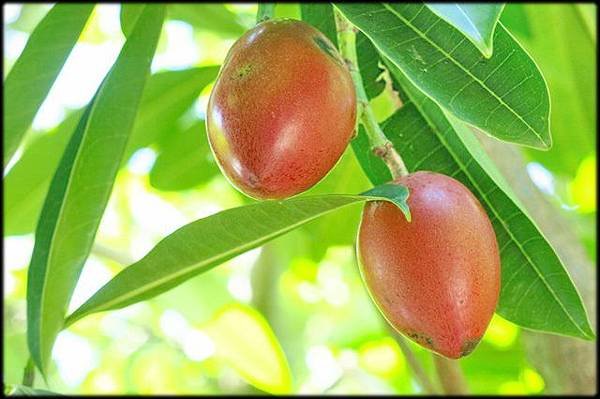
(215, 258)
(477, 80)
(52, 246)
(500, 219)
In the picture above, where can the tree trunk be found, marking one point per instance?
(568, 365)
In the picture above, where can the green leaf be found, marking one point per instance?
(536, 290)
(33, 74)
(368, 64)
(247, 343)
(185, 161)
(203, 16)
(320, 15)
(265, 11)
(475, 21)
(81, 187)
(567, 55)
(22, 390)
(129, 16)
(201, 245)
(505, 96)
(338, 228)
(167, 95)
(26, 184)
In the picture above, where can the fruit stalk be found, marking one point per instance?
(380, 145)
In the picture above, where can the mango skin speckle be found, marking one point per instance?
(436, 279)
(282, 110)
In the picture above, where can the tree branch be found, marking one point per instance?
(380, 145)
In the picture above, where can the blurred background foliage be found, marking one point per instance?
(304, 287)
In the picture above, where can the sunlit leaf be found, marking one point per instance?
(505, 95)
(206, 243)
(81, 187)
(245, 341)
(583, 188)
(26, 185)
(167, 95)
(33, 74)
(129, 15)
(475, 21)
(206, 16)
(566, 55)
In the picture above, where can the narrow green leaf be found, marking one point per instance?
(26, 184)
(476, 21)
(247, 343)
(129, 16)
(81, 187)
(184, 161)
(33, 74)
(206, 243)
(167, 95)
(505, 96)
(536, 290)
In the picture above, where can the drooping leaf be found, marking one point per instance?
(208, 242)
(33, 74)
(184, 161)
(475, 21)
(505, 95)
(167, 95)
(536, 291)
(247, 343)
(26, 184)
(81, 187)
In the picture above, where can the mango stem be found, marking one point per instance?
(380, 145)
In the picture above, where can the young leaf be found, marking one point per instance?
(201, 245)
(475, 21)
(81, 187)
(536, 291)
(247, 343)
(505, 96)
(33, 74)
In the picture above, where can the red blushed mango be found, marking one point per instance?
(282, 110)
(436, 279)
